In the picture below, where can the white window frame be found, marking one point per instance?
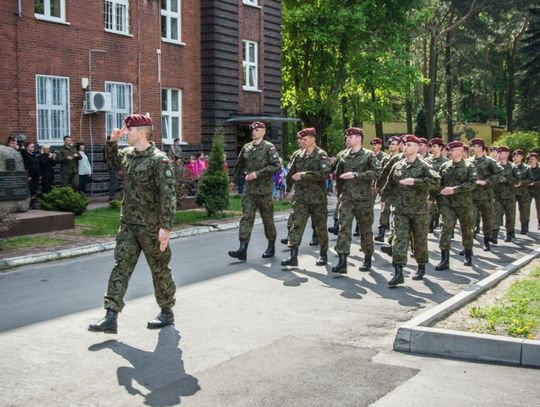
(169, 14)
(252, 3)
(168, 114)
(46, 16)
(249, 66)
(115, 118)
(114, 8)
(50, 109)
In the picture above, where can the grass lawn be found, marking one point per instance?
(33, 241)
(517, 313)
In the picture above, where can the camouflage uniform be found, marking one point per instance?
(264, 160)
(69, 169)
(384, 220)
(357, 198)
(434, 211)
(462, 177)
(534, 188)
(522, 196)
(310, 197)
(489, 170)
(149, 203)
(410, 208)
(505, 198)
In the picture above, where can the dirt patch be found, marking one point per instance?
(461, 320)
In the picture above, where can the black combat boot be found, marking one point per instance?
(366, 265)
(486, 247)
(387, 249)
(432, 226)
(270, 250)
(445, 260)
(380, 236)
(292, 260)
(314, 239)
(341, 267)
(420, 272)
(476, 231)
(509, 236)
(494, 236)
(398, 277)
(107, 325)
(334, 229)
(357, 230)
(523, 228)
(164, 318)
(241, 253)
(468, 257)
(323, 259)
(285, 240)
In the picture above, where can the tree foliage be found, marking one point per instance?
(524, 140)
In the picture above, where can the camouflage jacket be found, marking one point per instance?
(386, 167)
(68, 166)
(149, 185)
(381, 157)
(410, 199)
(262, 159)
(524, 178)
(364, 163)
(436, 163)
(462, 177)
(311, 188)
(489, 170)
(333, 168)
(510, 177)
(534, 179)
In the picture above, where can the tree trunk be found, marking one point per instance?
(429, 88)
(448, 71)
(409, 115)
(510, 94)
(320, 121)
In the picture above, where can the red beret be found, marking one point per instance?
(455, 144)
(465, 147)
(410, 138)
(310, 131)
(354, 130)
(137, 120)
(503, 149)
(436, 142)
(423, 140)
(476, 142)
(394, 139)
(518, 152)
(376, 140)
(257, 125)
(532, 154)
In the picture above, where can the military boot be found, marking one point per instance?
(341, 267)
(524, 228)
(432, 226)
(366, 265)
(241, 253)
(285, 240)
(509, 236)
(164, 318)
(323, 259)
(468, 257)
(270, 250)
(292, 260)
(486, 247)
(314, 239)
(107, 325)
(357, 230)
(387, 249)
(445, 260)
(494, 236)
(397, 278)
(420, 272)
(380, 236)
(334, 229)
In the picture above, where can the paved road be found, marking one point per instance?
(247, 334)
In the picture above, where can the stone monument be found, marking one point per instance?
(14, 191)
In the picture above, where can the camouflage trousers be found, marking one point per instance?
(319, 215)
(290, 223)
(69, 180)
(450, 216)
(524, 205)
(435, 213)
(484, 209)
(265, 205)
(535, 194)
(384, 217)
(506, 208)
(363, 212)
(131, 239)
(407, 226)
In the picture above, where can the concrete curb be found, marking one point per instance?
(416, 335)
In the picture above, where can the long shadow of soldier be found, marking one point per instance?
(161, 371)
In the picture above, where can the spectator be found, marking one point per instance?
(190, 175)
(47, 161)
(175, 152)
(85, 169)
(12, 142)
(113, 176)
(278, 189)
(31, 165)
(68, 158)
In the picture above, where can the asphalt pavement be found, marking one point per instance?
(246, 333)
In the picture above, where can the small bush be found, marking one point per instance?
(115, 204)
(525, 140)
(64, 199)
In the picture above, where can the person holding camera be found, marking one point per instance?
(68, 158)
(47, 161)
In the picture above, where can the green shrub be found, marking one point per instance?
(115, 204)
(213, 189)
(525, 140)
(64, 199)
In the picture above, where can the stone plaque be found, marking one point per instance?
(13, 185)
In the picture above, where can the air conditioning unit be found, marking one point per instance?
(97, 102)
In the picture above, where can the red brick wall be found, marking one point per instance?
(31, 47)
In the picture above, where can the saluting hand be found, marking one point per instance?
(117, 133)
(163, 235)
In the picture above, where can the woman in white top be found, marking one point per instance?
(85, 169)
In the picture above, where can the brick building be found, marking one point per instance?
(192, 65)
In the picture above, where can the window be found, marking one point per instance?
(249, 65)
(251, 2)
(51, 10)
(117, 16)
(171, 114)
(121, 105)
(170, 21)
(52, 105)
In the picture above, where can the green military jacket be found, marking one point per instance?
(68, 166)
(149, 185)
(462, 177)
(533, 181)
(489, 170)
(311, 188)
(524, 177)
(510, 177)
(386, 167)
(262, 159)
(410, 199)
(381, 157)
(436, 162)
(333, 168)
(364, 163)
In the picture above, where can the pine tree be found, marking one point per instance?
(213, 189)
(420, 129)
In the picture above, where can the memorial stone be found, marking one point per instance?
(14, 191)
